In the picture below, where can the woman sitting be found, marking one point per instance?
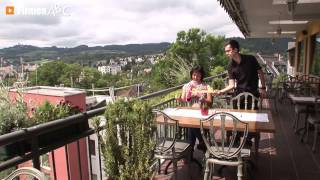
(194, 91)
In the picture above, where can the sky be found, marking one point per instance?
(70, 23)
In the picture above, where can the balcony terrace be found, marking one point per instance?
(281, 154)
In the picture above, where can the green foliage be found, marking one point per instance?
(49, 112)
(216, 50)
(217, 70)
(277, 81)
(128, 145)
(192, 47)
(71, 74)
(179, 72)
(196, 47)
(49, 73)
(158, 75)
(88, 77)
(218, 83)
(6, 172)
(13, 115)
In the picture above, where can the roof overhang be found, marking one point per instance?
(272, 18)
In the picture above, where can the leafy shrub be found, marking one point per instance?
(278, 79)
(217, 83)
(128, 146)
(13, 114)
(49, 112)
(217, 70)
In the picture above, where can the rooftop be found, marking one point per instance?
(50, 91)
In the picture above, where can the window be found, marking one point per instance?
(301, 56)
(92, 147)
(44, 161)
(315, 67)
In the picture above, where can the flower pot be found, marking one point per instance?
(204, 111)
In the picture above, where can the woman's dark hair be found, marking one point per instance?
(198, 69)
(233, 43)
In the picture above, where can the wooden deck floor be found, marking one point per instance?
(281, 155)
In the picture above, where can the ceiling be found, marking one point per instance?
(253, 16)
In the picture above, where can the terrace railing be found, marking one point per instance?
(32, 134)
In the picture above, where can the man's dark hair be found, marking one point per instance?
(233, 43)
(198, 69)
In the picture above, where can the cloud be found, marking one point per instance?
(101, 22)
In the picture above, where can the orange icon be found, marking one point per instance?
(9, 10)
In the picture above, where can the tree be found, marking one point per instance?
(88, 77)
(217, 70)
(216, 49)
(158, 74)
(197, 47)
(71, 74)
(48, 74)
(191, 46)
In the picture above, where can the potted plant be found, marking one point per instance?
(127, 145)
(13, 116)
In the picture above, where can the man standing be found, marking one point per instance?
(244, 72)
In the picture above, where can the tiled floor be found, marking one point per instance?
(281, 155)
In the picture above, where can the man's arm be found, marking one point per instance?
(230, 86)
(263, 83)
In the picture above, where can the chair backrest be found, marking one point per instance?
(245, 101)
(166, 133)
(216, 140)
(29, 171)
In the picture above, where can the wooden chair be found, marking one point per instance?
(247, 101)
(314, 119)
(28, 171)
(302, 89)
(219, 151)
(168, 145)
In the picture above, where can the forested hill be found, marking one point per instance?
(84, 53)
(264, 45)
(80, 53)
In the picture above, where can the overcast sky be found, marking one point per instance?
(70, 23)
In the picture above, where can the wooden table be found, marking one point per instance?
(193, 117)
(302, 100)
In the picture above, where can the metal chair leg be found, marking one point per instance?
(315, 137)
(175, 169)
(206, 172)
(307, 134)
(240, 171)
(256, 143)
(211, 170)
(166, 169)
(159, 166)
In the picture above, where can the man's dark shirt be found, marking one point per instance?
(245, 74)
